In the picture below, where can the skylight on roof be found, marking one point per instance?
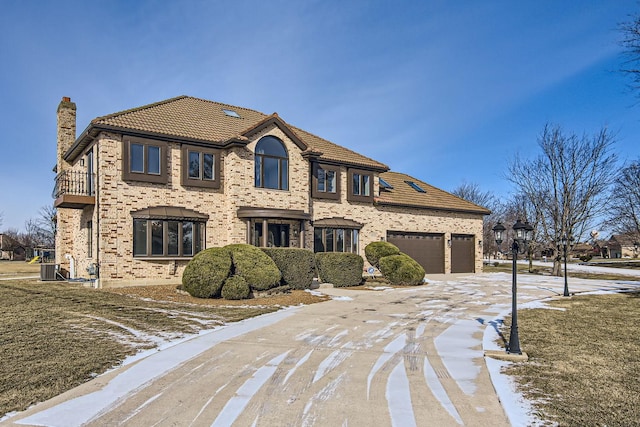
(416, 187)
(384, 184)
(231, 113)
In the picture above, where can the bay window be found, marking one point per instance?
(329, 239)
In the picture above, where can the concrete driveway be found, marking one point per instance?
(397, 357)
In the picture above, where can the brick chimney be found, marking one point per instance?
(66, 130)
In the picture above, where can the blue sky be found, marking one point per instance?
(446, 91)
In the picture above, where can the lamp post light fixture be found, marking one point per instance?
(636, 244)
(523, 235)
(564, 241)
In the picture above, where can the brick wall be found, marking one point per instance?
(116, 199)
(378, 220)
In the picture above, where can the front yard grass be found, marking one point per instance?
(584, 362)
(55, 336)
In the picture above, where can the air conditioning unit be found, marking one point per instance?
(48, 272)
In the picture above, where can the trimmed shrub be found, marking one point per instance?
(340, 268)
(205, 274)
(235, 287)
(586, 257)
(298, 266)
(260, 272)
(401, 270)
(376, 250)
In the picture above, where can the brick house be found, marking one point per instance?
(141, 191)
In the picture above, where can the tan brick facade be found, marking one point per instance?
(116, 198)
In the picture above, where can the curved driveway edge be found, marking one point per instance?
(396, 357)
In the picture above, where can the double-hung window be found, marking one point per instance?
(325, 181)
(360, 185)
(200, 167)
(144, 160)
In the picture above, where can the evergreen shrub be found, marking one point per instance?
(340, 268)
(259, 271)
(298, 266)
(205, 274)
(235, 288)
(401, 270)
(376, 250)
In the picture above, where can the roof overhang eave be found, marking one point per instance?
(333, 162)
(93, 130)
(432, 208)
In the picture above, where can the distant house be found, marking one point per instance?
(10, 249)
(622, 246)
(581, 249)
(141, 191)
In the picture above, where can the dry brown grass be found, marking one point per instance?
(584, 366)
(55, 336)
(18, 268)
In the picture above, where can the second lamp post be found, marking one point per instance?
(523, 234)
(564, 241)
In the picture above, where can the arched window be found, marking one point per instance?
(272, 164)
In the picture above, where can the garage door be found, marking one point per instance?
(463, 258)
(427, 249)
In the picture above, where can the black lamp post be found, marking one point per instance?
(523, 234)
(564, 241)
(636, 244)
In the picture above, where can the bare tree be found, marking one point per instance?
(472, 193)
(631, 44)
(47, 223)
(31, 237)
(567, 184)
(1, 219)
(624, 208)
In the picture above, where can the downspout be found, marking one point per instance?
(72, 266)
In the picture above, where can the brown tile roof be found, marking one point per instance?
(198, 119)
(403, 194)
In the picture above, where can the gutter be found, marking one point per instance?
(433, 208)
(93, 130)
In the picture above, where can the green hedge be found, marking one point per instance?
(341, 269)
(235, 287)
(298, 266)
(260, 272)
(205, 274)
(376, 250)
(401, 270)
